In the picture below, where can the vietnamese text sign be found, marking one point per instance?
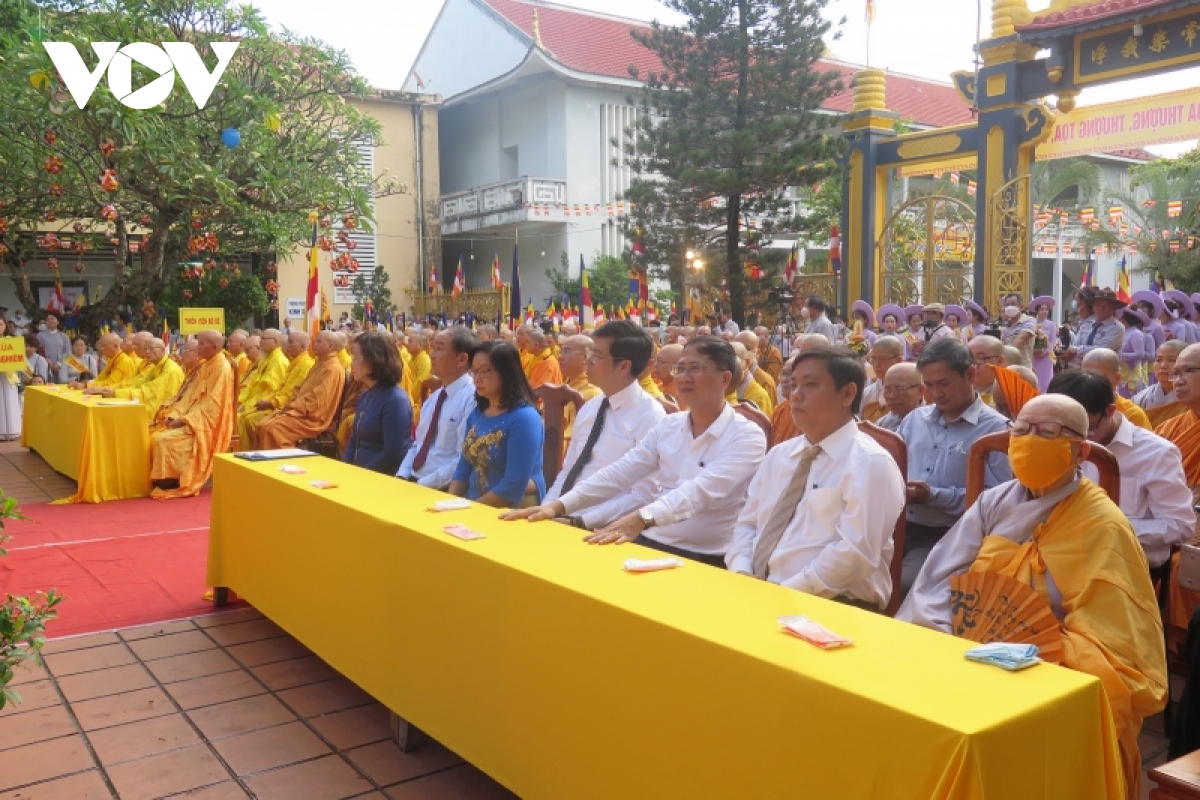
(295, 308)
(1173, 117)
(194, 320)
(12, 354)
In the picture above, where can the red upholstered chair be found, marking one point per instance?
(1105, 461)
(554, 402)
(752, 413)
(896, 448)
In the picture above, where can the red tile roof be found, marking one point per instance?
(1093, 12)
(602, 45)
(1133, 152)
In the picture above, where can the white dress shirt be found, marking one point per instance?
(442, 457)
(703, 479)
(1154, 493)
(840, 541)
(631, 414)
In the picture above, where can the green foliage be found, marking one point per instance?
(176, 182)
(209, 285)
(1053, 180)
(730, 122)
(1151, 187)
(378, 292)
(820, 209)
(608, 281)
(22, 619)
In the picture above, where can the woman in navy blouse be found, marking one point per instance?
(501, 462)
(382, 431)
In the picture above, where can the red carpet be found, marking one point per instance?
(129, 562)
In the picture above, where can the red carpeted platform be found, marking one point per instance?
(128, 562)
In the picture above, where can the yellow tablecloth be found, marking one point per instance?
(105, 448)
(538, 659)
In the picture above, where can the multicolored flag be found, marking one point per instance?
(1123, 292)
(1086, 279)
(870, 11)
(497, 284)
(312, 299)
(835, 251)
(586, 310)
(793, 262)
(460, 280)
(435, 286)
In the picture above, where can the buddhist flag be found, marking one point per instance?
(1174, 208)
(312, 301)
(1086, 280)
(835, 250)
(971, 188)
(600, 318)
(586, 310)
(166, 334)
(460, 281)
(793, 262)
(870, 11)
(529, 314)
(326, 317)
(58, 301)
(434, 284)
(1115, 215)
(1086, 215)
(497, 284)
(1123, 281)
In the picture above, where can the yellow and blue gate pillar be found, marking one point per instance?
(865, 200)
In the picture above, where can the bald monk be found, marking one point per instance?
(253, 353)
(235, 351)
(153, 386)
(264, 382)
(783, 425)
(295, 347)
(342, 341)
(769, 357)
(313, 406)
(543, 366)
(1105, 362)
(522, 341)
(884, 354)
(749, 389)
(1006, 389)
(196, 425)
(118, 365)
(668, 356)
(1184, 432)
(129, 346)
(420, 367)
(573, 359)
(1060, 533)
(749, 340)
(1158, 399)
(406, 378)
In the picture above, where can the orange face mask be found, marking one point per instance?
(1037, 462)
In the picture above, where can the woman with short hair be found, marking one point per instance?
(382, 430)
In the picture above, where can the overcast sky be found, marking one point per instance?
(926, 38)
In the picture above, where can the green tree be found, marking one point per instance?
(96, 177)
(378, 293)
(1151, 188)
(608, 280)
(730, 121)
(208, 284)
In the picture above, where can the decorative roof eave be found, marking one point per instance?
(1104, 13)
(537, 62)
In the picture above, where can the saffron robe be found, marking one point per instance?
(545, 369)
(205, 404)
(1015, 390)
(311, 410)
(783, 427)
(155, 386)
(1183, 431)
(1132, 412)
(116, 372)
(249, 419)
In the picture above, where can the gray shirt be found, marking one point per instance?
(937, 455)
(1092, 334)
(823, 326)
(55, 346)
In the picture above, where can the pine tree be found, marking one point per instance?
(730, 121)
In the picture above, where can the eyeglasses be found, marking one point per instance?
(690, 370)
(898, 389)
(1043, 430)
(1183, 373)
(593, 358)
(483, 372)
(984, 360)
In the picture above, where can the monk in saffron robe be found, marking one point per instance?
(544, 368)
(343, 345)
(769, 357)
(129, 346)
(265, 378)
(313, 408)
(1184, 432)
(523, 347)
(749, 340)
(783, 425)
(1007, 390)
(668, 356)
(235, 351)
(420, 368)
(573, 359)
(118, 365)
(196, 425)
(1158, 399)
(153, 386)
(1107, 363)
(295, 347)
(1059, 533)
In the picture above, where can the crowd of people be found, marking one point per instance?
(735, 449)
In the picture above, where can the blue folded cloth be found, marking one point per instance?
(1006, 656)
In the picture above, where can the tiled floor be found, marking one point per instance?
(28, 478)
(216, 707)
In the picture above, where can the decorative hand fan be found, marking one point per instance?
(989, 607)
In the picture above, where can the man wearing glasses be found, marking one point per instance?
(573, 360)
(703, 460)
(1006, 390)
(902, 393)
(1059, 533)
(939, 437)
(262, 381)
(610, 425)
(887, 352)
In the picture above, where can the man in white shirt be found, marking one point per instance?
(612, 424)
(821, 509)
(815, 307)
(1154, 492)
(726, 328)
(704, 460)
(443, 426)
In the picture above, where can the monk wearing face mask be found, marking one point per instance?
(1059, 533)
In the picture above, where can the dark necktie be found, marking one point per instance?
(586, 454)
(1092, 337)
(430, 434)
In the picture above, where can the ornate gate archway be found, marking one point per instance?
(928, 252)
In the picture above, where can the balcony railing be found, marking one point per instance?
(499, 203)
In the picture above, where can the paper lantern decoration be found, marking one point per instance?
(144, 220)
(350, 222)
(50, 216)
(108, 213)
(80, 266)
(231, 138)
(77, 227)
(52, 263)
(223, 283)
(53, 165)
(108, 181)
(187, 294)
(51, 137)
(56, 190)
(197, 223)
(107, 147)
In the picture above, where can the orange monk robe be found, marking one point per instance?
(1017, 392)
(782, 424)
(581, 385)
(311, 410)
(766, 382)
(771, 360)
(1160, 414)
(345, 357)
(1111, 628)
(353, 391)
(117, 371)
(1184, 432)
(544, 369)
(1133, 412)
(205, 405)
(155, 387)
(526, 363)
(649, 386)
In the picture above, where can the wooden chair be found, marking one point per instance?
(1178, 779)
(1105, 461)
(325, 443)
(428, 387)
(235, 439)
(667, 405)
(752, 413)
(896, 448)
(554, 401)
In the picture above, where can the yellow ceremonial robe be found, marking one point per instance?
(758, 396)
(311, 409)
(205, 404)
(766, 382)
(156, 386)
(649, 386)
(581, 385)
(144, 369)
(1111, 628)
(421, 369)
(526, 362)
(1133, 412)
(116, 372)
(263, 380)
(353, 391)
(771, 361)
(248, 420)
(345, 357)
(544, 369)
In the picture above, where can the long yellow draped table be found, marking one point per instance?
(103, 446)
(535, 657)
